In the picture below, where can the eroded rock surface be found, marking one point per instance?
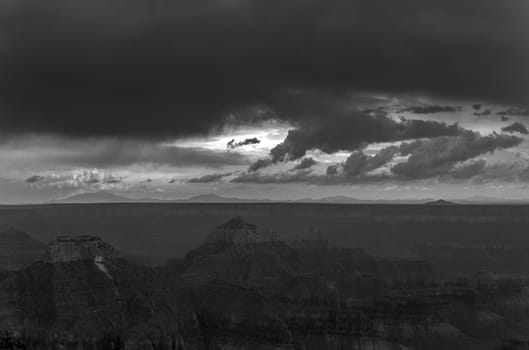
(243, 289)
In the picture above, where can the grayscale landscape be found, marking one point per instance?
(264, 276)
(264, 174)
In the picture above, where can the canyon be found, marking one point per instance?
(247, 287)
(151, 233)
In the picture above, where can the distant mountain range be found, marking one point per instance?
(108, 197)
(440, 202)
(95, 197)
(215, 198)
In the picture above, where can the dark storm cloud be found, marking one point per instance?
(430, 109)
(251, 141)
(34, 179)
(113, 180)
(469, 170)
(352, 131)
(448, 157)
(332, 170)
(356, 164)
(349, 130)
(305, 163)
(143, 68)
(516, 127)
(476, 106)
(504, 118)
(438, 156)
(484, 113)
(259, 164)
(359, 163)
(515, 111)
(208, 178)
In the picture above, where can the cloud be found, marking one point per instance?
(516, 127)
(352, 131)
(309, 177)
(481, 172)
(503, 171)
(251, 141)
(34, 179)
(259, 164)
(447, 157)
(280, 177)
(164, 69)
(332, 170)
(504, 118)
(476, 106)
(438, 156)
(430, 109)
(515, 111)
(469, 170)
(305, 163)
(484, 113)
(208, 178)
(113, 180)
(78, 179)
(104, 153)
(358, 163)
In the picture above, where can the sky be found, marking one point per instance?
(287, 99)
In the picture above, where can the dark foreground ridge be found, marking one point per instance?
(245, 288)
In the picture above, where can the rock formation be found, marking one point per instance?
(237, 231)
(72, 248)
(244, 290)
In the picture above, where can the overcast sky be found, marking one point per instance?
(271, 99)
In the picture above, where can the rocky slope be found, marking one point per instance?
(246, 289)
(83, 296)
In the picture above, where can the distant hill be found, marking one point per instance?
(95, 197)
(333, 199)
(211, 197)
(107, 197)
(351, 200)
(440, 202)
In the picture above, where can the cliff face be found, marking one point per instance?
(85, 297)
(334, 298)
(72, 248)
(237, 231)
(236, 292)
